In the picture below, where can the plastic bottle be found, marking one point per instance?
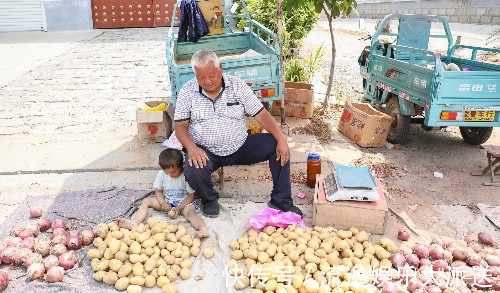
(313, 168)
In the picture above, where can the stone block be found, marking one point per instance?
(474, 18)
(486, 19)
(442, 11)
(495, 20)
(461, 11)
(434, 11)
(454, 18)
(450, 11)
(463, 19)
(479, 11)
(494, 11)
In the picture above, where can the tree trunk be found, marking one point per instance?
(279, 18)
(332, 64)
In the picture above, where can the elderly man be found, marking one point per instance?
(209, 121)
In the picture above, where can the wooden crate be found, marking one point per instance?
(344, 214)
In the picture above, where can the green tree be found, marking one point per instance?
(332, 10)
(298, 22)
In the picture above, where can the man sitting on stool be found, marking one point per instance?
(210, 123)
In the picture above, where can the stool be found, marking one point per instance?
(493, 155)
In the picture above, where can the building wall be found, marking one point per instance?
(68, 15)
(464, 11)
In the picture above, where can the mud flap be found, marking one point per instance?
(406, 107)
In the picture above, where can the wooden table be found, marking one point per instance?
(493, 155)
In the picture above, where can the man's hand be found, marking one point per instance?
(165, 206)
(197, 157)
(282, 151)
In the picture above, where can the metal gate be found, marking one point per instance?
(132, 13)
(21, 15)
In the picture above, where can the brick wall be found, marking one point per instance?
(464, 11)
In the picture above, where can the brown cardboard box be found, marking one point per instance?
(344, 214)
(212, 11)
(364, 125)
(299, 100)
(155, 126)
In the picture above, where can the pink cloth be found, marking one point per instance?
(302, 195)
(272, 217)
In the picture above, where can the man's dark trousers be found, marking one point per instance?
(257, 148)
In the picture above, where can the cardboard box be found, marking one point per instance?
(299, 100)
(364, 125)
(344, 214)
(212, 11)
(155, 126)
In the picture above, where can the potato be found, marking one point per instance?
(311, 268)
(392, 248)
(98, 276)
(361, 237)
(311, 285)
(138, 269)
(195, 251)
(157, 229)
(143, 236)
(162, 281)
(381, 253)
(169, 259)
(171, 275)
(108, 254)
(149, 281)
(301, 263)
(134, 289)
(170, 288)
(185, 253)
(385, 263)
(310, 258)
(187, 263)
(184, 273)
(384, 241)
(122, 256)
(370, 250)
(333, 259)
(135, 258)
(237, 254)
(196, 242)
(177, 253)
(149, 243)
(103, 265)
(263, 257)
(313, 243)
(115, 264)
(297, 280)
(102, 230)
(122, 284)
(150, 264)
(114, 245)
(117, 234)
(208, 253)
(253, 253)
(137, 280)
(94, 253)
(125, 270)
(344, 234)
(110, 278)
(271, 249)
(263, 246)
(135, 248)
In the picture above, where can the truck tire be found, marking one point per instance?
(476, 135)
(400, 127)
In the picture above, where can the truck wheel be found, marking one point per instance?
(476, 135)
(400, 127)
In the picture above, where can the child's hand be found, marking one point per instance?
(165, 206)
(176, 211)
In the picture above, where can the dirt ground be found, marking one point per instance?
(67, 122)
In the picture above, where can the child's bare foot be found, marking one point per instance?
(126, 223)
(202, 233)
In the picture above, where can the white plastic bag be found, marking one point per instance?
(172, 142)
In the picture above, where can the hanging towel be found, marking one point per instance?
(192, 25)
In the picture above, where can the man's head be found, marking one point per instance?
(207, 70)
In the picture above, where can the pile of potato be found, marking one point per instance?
(306, 250)
(150, 254)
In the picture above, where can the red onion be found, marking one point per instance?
(42, 246)
(44, 224)
(485, 238)
(59, 231)
(494, 271)
(390, 288)
(449, 245)
(36, 212)
(458, 263)
(36, 271)
(87, 237)
(26, 233)
(60, 239)
(413, 260)
(34, 228)
(406, 251)
(13, 241)
(398, 260)
(8, 255)
(14, 231)
(473, 259)
(57, 249)
(470, 238)
(20, 255)
(54, 274)
(425, 262)
(33, 258)
(50, 261)
(414, 284)
(4, 280)
(440, 265)
(459, 254)
(436, 251)
(75, 233)
(28, 243)
(438, 242)
(475, 246)
(74, 243)
(433, 289)
(492, 260)
(58, 224)
(403, 235)
(68, 260)
(421, 250)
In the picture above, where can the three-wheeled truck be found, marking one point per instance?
(253, 55)
(410, 83)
